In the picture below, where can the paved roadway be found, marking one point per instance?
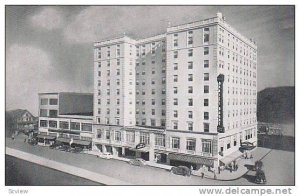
(149, 175)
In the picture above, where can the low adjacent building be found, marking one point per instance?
(66, 117)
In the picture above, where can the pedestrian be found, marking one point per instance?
(230, 168)
(246, 155)
(236, 167)
(202, 174)
(215, 176)
(219, 169)
(251, 156)
(25, 140)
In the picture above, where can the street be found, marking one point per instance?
(281, 173)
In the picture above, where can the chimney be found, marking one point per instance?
(219, 15)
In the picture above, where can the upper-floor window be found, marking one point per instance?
(190, 52)
(175, 142)
(206, 50)
(191, 144)
(44, 101)
(175, 54)
(53, 101)
(206, 35)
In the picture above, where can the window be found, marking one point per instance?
(163, 121)
(205, 102)
(153, 122)
(190, 40)
(144, 122)
(153, 101)
(206, 35)
(190, 114)
(64, 124)
(53, 101)
(118, 61)
(118, 71)
(175, 125)
(175, 54)
(191, 144)
(190, 89)
(190, 52)
(52, 113)
(44, 101)
(190, 65)
(159, 140)
(53, 123)
(175, 77)
(228, 144)
(43, 123)
(163, 102)
(107, 134)
(107, 120)
(190, 126)
(206, 115)
(43, 113)
(206, 127)
(117, 136)
(175, 101)
(206, 76)
(99, 133)
(206, 63)
(175, 42)
(86, 127)
(190, 77)
(175, 66)
(163, 112)
(175, 142)
(175, 90)
(190, 102)
(144, 138)
(75, 126)
(175, 113)
(206, 145)
(153, 111)
(206, 89)
(206, 50)
(130, 136)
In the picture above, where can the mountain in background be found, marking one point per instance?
(276, 105)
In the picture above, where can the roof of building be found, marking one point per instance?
(18, 113)
(55, 93)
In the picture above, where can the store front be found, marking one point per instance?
(45, 140)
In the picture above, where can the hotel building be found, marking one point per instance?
(185, 97)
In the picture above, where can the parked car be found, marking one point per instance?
(55, 146)
(76, 150)
(138, 162)
(260, 177)
(105, 155)
(64, 148)
(246, 146)
(181, 170)
(32, 142)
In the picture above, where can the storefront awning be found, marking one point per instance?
(231, 157)
(191, 159)
(47, 137)
(82, 142)
(146, 149)
(63, 140)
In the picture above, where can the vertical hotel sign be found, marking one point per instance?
(220, 80)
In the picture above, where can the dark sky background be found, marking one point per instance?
(50, 48)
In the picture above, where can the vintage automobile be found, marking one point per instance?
(246, 146)
(55, 146)
(181, 170)
(32, 142)
(260, 177)
(76, 150)
(137, 162)
(105, 155)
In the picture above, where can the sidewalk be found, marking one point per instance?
(225, 175)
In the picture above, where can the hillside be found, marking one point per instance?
(276, 105)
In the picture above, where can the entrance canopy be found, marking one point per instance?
(46, 137)
(63, 140)
(191, 159)
(82, 142)
(231, 157)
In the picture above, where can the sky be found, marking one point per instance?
(50, 48)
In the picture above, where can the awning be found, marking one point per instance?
(47, 137)
(146, 149)
(231, 157)
(82, 142)
(191, 159)
(63, 140)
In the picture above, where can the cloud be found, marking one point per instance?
(100, 22)
(29, 71)
(47, 18)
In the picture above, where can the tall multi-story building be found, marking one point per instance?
(188, 96)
